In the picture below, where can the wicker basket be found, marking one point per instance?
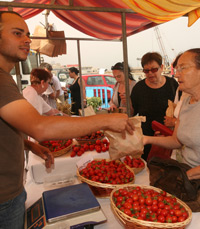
(130, 222)
(138, 170)
(102, 189)
(63, 151)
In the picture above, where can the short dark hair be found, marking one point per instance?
(196, 51)
(41, 74)
(120, 66)
(151, 56)
(46, 65)
(75, 70)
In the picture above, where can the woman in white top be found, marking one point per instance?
(118, 99)
(187, 129)
(39, 79)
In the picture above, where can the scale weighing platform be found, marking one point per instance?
(71, 207)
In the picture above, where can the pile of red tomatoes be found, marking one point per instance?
(134, 162)
(149, 205)
(56, 145)
(98, 145)
(111, 172)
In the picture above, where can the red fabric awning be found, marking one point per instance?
(102, 25)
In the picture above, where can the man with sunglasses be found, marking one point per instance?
(150, 96)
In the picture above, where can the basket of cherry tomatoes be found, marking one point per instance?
(137, 164)
(146, 207)
(91, 138)
(104, 175)
(58, 147)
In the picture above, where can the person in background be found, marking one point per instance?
(18, 118)
(76, 91)
(150, 96)
(40, 80)
(187, 131)
(118, 99)
(54, 91)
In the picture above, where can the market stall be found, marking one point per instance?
(38, 182)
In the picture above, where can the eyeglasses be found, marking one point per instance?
(183, 68)
(153, 70)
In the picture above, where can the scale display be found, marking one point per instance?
(35, 216)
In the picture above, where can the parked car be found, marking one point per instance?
(99, 80)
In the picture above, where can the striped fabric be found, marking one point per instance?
(102, 25)
(166, 10)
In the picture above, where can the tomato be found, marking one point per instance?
(185, 214)
(98, 142)
(105, 141)
(154, 202)
(119, 199)
(141, 200)
(154, 208)
(164, 212)
(161, 218)
(143, 215)
(127, 211)
(181, 219)
(169, 219)
(176, 207)
(174, 219)
(144, 211)
(136, 208)
(98, 149)
(167, 207)
(135, 197)
(86, 147)
(161, 205)
(73, 154)
(91, 147)
(129, 200)
(127, 205)
(136, 203)
(171, 211)
(160, 198)
(178, 213)
(163, 193)
(148, 201)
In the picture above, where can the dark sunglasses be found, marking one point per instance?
(153, 70)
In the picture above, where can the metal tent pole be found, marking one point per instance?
(81, 80)
(125, 55)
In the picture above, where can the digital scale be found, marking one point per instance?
(71, 207)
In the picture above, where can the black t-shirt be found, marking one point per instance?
(76, 97)
(151, 102)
